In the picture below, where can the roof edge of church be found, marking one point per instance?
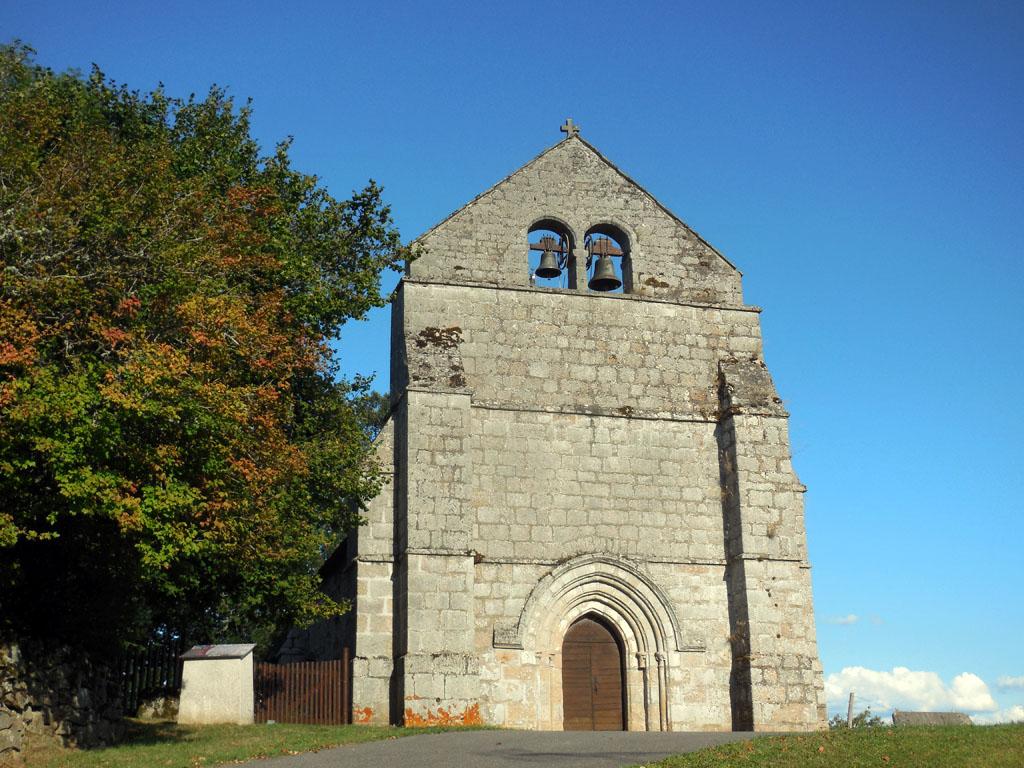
(493, 186)
(665, 209)
(607, 162)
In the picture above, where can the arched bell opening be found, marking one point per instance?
(609, 268)
(551, 262)
(593, 676)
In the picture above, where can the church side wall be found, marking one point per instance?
(325, 639)
(374, 608)
(361, 572)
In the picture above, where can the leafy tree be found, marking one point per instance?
(373, 409)
(175, 446)
(863, 719)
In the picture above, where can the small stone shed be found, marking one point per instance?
(217, 685)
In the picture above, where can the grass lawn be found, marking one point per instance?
(167, 745)
(978, 746)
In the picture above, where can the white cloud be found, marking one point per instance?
(1010, 682)
(1014, 714)
(850, 618)
(904, 688)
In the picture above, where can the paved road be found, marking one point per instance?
(507, 749)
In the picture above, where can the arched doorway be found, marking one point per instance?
(592, 690)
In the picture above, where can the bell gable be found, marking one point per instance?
(589, 208)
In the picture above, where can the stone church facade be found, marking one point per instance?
(592, 503)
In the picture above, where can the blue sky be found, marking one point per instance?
(862, 163)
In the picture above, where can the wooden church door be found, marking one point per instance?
(591, 678)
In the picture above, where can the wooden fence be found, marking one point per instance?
(311, 692)
(150, 672)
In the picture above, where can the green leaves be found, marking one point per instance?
(170, 425)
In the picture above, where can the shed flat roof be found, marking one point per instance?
(228, 651)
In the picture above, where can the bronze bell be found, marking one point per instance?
(548, 266)
(604, 278)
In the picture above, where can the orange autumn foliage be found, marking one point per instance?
(170, 415)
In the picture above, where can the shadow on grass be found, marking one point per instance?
(153, 732)
(167, 744)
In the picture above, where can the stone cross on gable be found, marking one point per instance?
(569, 128)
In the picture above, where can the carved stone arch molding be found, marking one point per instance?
(616, 590)
(541, 220)
(599, 221)
(609, 585)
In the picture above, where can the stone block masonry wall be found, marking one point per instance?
(437, 666)
(776, 675)
(438, 469)
(325, 639)
(700, 680)
(372, 571)
(549, 486)
(592, 429)
(375, 539)
(607, 355)
(544, 426)
(372, 664)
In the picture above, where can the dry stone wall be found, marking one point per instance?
(57, 694)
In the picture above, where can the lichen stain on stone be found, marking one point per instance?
(656, 283)
(442, 338)
(362, 716)
(441, 716)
